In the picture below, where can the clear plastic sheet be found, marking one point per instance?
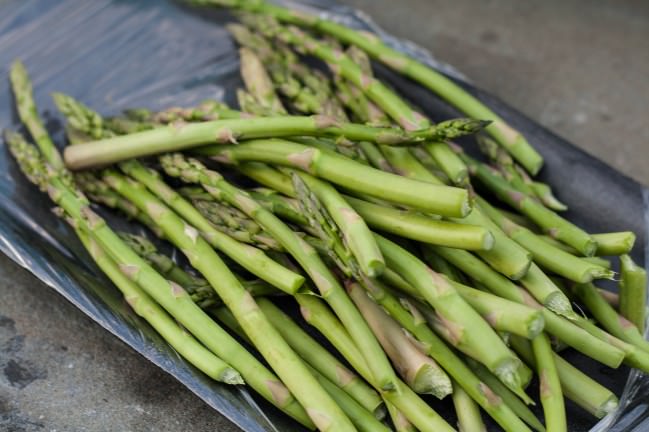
(113, 54)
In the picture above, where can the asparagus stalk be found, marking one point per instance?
(503, 315)
(633, 292)
(169, 295)
(258, 82)
(320, 359)
(374, 287)
(352, 226)
(508, 397)
(550, 386)
(546, 253)
(544, 193)
(193, 171)
(608, 317)
(435, 81)
(21, 85)
(468, 412)
(423, 228)
(546, 292)
(614, 243)
(344, 172)
(176, 137)
(557, 326)
(236, 224)
(362, 418)
(420, 414)
(635, 356)
(575, 385)
(599, 261)
(419, 371)
(446, 332)
(549, 221)
(468, 330)
(449, 162)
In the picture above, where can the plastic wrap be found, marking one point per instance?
(113, 54)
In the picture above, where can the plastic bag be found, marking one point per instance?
(114, 54)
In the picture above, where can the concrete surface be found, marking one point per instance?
(577, 66)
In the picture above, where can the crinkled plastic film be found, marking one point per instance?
(113, 54)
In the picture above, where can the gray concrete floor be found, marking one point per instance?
(578, 67)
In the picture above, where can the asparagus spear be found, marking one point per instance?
(176, 137)
(374, 89)
(344, 172)
(468, 412)
(544, 192)
(419, 371)
(550, 386)
(101, 193)
(190, 170)
(633, 292)
(449, 162)
(259, 84)
(22, 89)
(614, 243)
(446, 332)
(169, 295)
(236, 224)
(354, 231)
(502, 314)
(611, 298)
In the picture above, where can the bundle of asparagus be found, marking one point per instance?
(361, 212)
